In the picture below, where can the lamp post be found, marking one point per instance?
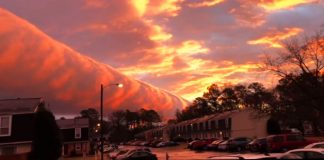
(101, 115)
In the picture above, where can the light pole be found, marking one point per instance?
(101, 115)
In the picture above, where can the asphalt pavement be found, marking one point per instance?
(181, 153)
(174, 153)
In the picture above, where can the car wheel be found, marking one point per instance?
(284, 149)
(239, 149)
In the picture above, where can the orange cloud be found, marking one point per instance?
(273, 5)
(140, 6)
(204, 3)
(254, 13)
(185, 50)
(156, 7)
(191, 47)
(33, 64)
(249, 15)
(274, 38)
(221, 75)
(166, 7)
(159, 35)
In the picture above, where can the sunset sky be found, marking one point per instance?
(179, 46)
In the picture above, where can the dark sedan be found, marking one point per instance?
(137, 155)
(258, 145)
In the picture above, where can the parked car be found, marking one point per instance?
(154, 143)
(291, 131)
(214, 145)
(285, 142)
(166, 144)
(116, 154)
(137, 143)
(172, 143)
(127, 151)
(144, 143)
(148, 143)
(190, 143)
(258, 145)
(304, 153)
(179, 139)
(201, 144)
(315, 145)
(137, 155)
(107, 148)
(248, 156)
(238, 144)
(223, 146)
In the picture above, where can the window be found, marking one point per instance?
(291, 138)
(278, 139)
(213, 125)
(77, 133)
(206, 125)
(314, 155)
(300, 138)
(229, 123)
(221, 124)
(319, 146)
(201, 126)
(241, 139)
(5, 125)
(299, 153)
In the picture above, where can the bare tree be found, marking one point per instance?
(301, 68)
(301, 55)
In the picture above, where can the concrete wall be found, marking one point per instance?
(244, 124)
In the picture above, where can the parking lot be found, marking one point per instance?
(180, 152)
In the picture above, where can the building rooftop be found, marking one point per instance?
(207, 117)
(19, 105)
(73, 123)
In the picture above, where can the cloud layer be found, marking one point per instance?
(181, 46)
(32, 65)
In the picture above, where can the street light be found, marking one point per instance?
(119, 85)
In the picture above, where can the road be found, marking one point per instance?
(175, 153)
(181, 153)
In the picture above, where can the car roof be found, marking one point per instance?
(308, 149)
(284, 134)
(313, 144)
(248, 156)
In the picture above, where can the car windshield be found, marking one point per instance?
(319, 146)
(122, 152)
(254, 141)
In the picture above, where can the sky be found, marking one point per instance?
(173, 49)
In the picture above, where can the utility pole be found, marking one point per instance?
(119, 85)
(101, 122)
